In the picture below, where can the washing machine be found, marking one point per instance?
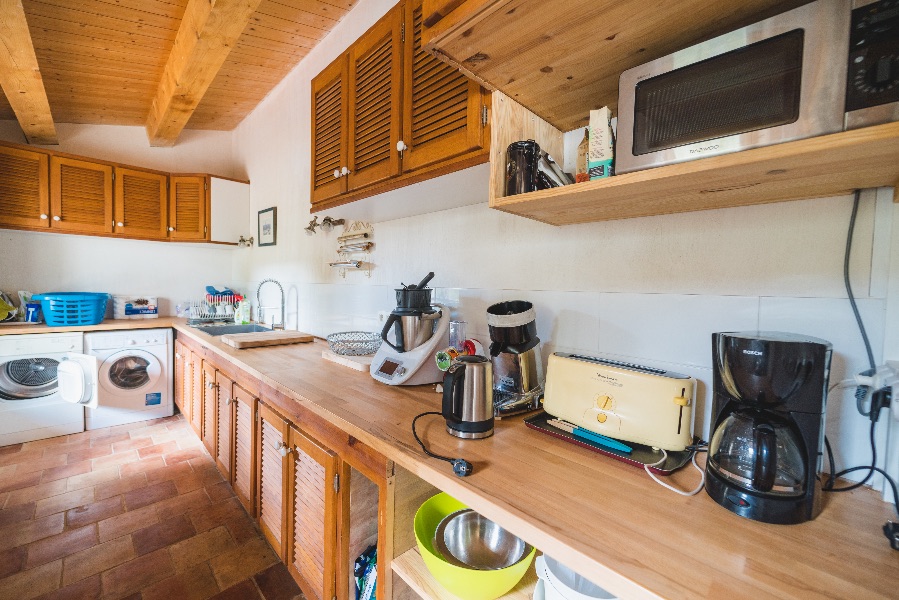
(135, 376)
(45, 386)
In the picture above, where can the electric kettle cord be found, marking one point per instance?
(461, 467)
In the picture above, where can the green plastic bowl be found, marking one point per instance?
(467, 584)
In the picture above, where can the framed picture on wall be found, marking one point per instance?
(268, 226)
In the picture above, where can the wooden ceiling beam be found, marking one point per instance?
(208, 32)
(20, 77)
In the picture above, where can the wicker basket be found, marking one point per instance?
(354, 343)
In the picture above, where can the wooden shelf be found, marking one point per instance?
(411, 569)
(830, 165)
(561, 61)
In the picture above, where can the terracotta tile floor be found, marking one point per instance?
(137, 511)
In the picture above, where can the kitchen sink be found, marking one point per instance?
(216, 330)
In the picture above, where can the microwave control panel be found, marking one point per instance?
(873, 75)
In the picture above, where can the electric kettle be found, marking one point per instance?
(468, 397)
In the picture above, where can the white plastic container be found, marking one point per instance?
(558, 582)
(135, 307)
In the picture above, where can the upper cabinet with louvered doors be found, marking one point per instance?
(329, 132)
(188, 207)
(24, 188)
(141, 203)
(312, 530)
(80, 196)
(375, 99)
(444, 111)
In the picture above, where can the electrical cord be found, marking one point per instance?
(833, 476)
(828, 485)
(698, 489)
(862, 391)
(461, 467)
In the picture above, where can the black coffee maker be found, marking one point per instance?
(768, 425)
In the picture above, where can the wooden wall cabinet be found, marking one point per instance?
(80, 196)
(387, 114)
(272, 476)
(141, 203)
(188, 207)
(24, 188)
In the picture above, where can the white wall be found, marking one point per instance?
(650, 290)
(41, 262)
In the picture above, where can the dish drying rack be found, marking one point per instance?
(212, 309)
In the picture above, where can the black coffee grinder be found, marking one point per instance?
(768, 422)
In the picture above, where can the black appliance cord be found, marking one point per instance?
(461, 467)
(828, 485)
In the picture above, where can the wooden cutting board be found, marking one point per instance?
(265, 338)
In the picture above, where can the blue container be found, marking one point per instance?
(72, 308)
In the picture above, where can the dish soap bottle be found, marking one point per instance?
(581, 171)
(242, 314)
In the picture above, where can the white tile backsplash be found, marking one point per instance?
(671, 327)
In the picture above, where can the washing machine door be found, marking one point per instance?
(78, 379)
(130, 371)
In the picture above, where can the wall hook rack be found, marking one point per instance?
(354, 248)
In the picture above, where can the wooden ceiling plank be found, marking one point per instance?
(63, 30)
(20, 77)
(316, 7)
(206, 36)
(161, 8)
(105, 15)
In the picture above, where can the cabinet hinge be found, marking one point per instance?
(113, 175)
(205, 230)
(337, 483)
(205, 186)
(484, 115)
(403, 32)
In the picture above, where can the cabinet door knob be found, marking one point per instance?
(56, 218)
(120, 224)
(227, 400)
(345, 171)
(43, 217)
(282, 448)
(401, 145)
(171, 229)
(177, 355)
(210, 385)
(336, 173)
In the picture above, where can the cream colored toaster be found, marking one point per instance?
(624, 401)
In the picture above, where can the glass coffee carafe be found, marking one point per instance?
(758, 451)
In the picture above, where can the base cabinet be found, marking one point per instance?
(319, 496)
(312, 522)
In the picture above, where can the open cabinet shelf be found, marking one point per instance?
(411, 569)
(829, 165)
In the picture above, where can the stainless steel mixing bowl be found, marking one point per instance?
(467, 539)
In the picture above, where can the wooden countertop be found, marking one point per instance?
(604, 519)
(107, 325)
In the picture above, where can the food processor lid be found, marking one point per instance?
(415, 312)
(513, 320)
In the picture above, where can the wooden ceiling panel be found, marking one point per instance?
(102, 60)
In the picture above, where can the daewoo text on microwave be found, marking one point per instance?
(781, 79)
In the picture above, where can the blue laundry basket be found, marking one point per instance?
(73, 308)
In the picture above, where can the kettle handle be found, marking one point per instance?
(391, 319)
(764, 470)
(452, 381)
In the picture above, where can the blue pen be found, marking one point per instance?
(602, 440)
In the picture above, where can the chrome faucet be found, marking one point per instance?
(259, 306)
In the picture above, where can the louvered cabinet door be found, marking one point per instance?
(196, 393)
(329, 131)
(224, 425)
(272, 467)
(442, 108)
(188, 207)
(141, 203)
(24, 188)
(179, 388)
(312, 533)
(244, 478)
(210, 406)
(80, 196)
(375, 102)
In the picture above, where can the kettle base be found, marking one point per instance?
(469, 435)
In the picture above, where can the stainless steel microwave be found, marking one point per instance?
(777, 80)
